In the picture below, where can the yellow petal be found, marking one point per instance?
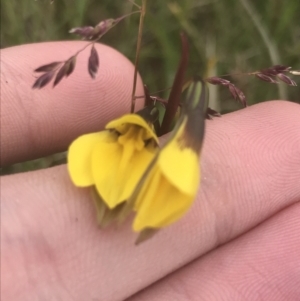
(133, 119)
(180, 163)
(79, 157)
(117, 170)
(159, 202)
(181, 167)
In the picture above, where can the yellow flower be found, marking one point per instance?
(170, 184)
(129, 172)
(115, 159)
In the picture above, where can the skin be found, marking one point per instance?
(239, 241)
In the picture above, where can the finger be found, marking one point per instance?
(251, 167)
(263, 264)
(36, 123)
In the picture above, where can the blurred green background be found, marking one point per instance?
(232, 36)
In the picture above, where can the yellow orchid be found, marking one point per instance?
(169, 185)
(115, 159)
(129, 172)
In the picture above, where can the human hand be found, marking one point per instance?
(240, 240)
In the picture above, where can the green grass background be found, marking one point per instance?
(231, 36)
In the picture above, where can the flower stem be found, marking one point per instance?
(175, 94)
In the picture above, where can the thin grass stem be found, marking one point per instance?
(138, 47)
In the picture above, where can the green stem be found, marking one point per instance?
(138, 47)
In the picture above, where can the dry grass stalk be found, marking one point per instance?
(89, 33)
